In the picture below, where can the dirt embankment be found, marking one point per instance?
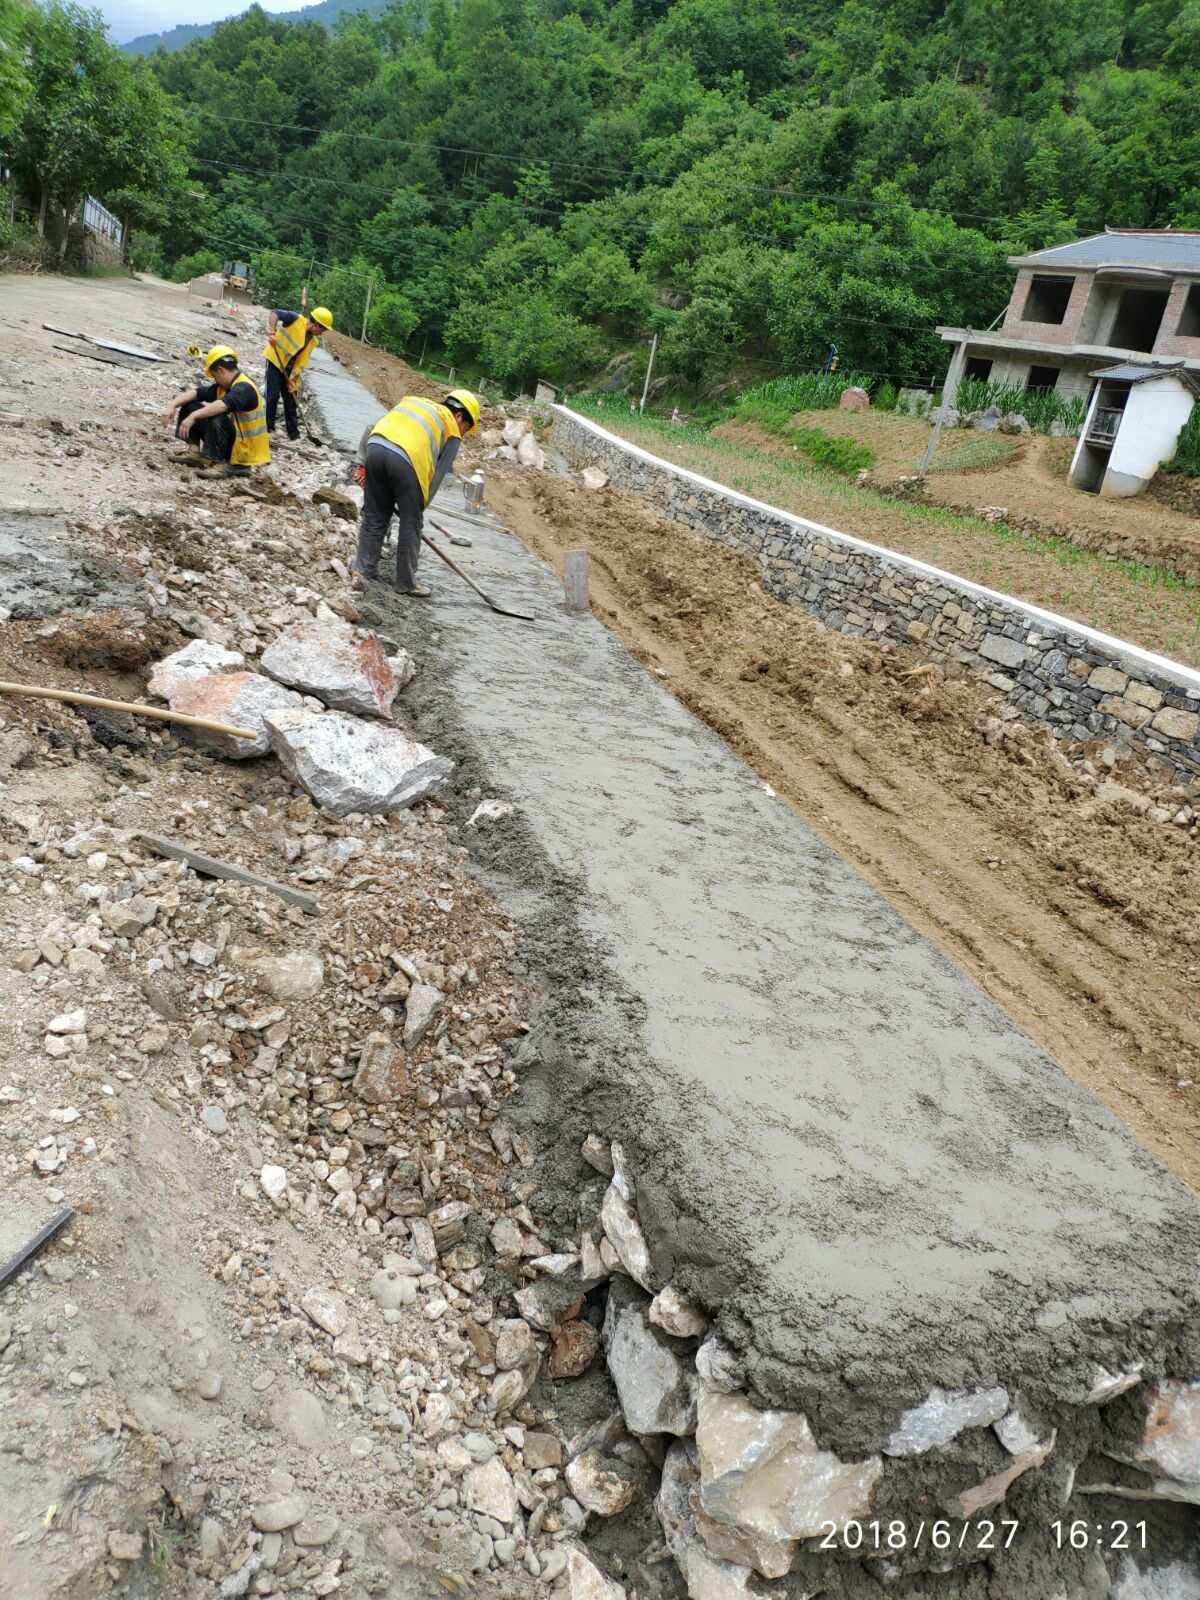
(1047, 882)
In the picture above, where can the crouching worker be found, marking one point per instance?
(405, 456)
(223, 419)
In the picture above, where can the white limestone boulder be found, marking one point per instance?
(338, 665)
(762, 1472)
(239, 700)
(198, 659)
(654, 1379)
(347, 765)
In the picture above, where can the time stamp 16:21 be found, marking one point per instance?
(943, 1534)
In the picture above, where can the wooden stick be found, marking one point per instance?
(212, 867)
(72, 697)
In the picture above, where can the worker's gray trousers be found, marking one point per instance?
(391, 486)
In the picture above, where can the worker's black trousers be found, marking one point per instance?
(276, 390)
(391, 487)
(212, 436)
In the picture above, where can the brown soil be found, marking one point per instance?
(1043, 880)
(1031, 484)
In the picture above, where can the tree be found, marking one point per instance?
(94, 122)
(16, 86)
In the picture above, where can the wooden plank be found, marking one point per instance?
(575, 581)
(211, 867)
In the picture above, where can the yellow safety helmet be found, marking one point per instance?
(321, 314)
(219, 352)
(465, 401)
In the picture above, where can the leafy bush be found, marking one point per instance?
(1186, 460)
(197, 265)
(700, 343)
(145, 253)
(886, 398)
(1039, 407)
(278, 279)
(392, 318)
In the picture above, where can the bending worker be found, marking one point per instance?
(406, 455)
(291, 339)
(224, 419)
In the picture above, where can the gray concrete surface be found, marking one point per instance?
(839, 1141)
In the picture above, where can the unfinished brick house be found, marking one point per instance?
(1124, 294)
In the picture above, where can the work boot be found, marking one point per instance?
(418, 589)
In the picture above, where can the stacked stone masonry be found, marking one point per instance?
(983, 1479)
(1081, 684)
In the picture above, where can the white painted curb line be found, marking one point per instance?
(1186, 677)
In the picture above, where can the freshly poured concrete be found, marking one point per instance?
(838, 1139)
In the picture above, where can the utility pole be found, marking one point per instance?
(957, 362)
(367, 307)
(649, 370)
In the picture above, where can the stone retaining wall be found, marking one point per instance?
(1078, 682)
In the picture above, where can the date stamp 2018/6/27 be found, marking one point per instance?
(896, 1535)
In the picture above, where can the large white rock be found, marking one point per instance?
(620, 1222)
(656, 1388)
(239, 700)
(530, 453)
(707, 1576)
(585, 1581)
(763, 1472)
(942, 1416)
(198, 659)
(489, 1489)
(515, 429)
(346, 669)
(423, 1004)
(346, 765)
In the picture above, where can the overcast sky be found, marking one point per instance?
(127, 19)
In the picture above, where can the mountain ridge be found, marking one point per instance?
(326, 12)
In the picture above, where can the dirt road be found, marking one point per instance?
(1071, 909)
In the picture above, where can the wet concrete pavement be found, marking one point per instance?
(838, 1139)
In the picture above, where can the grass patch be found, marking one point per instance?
(976, 453)
(806, 391)
(1135, 600)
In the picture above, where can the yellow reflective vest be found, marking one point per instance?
(251, 444)
(420, 428)
(292, 346)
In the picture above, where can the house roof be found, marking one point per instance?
(1144, 371)
(1167, 249)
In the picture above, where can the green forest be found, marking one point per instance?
(537, 187)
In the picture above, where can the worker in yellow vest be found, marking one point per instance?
(292, 336)
(405, 456)
(223, 418)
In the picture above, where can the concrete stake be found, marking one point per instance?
(575, 581)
